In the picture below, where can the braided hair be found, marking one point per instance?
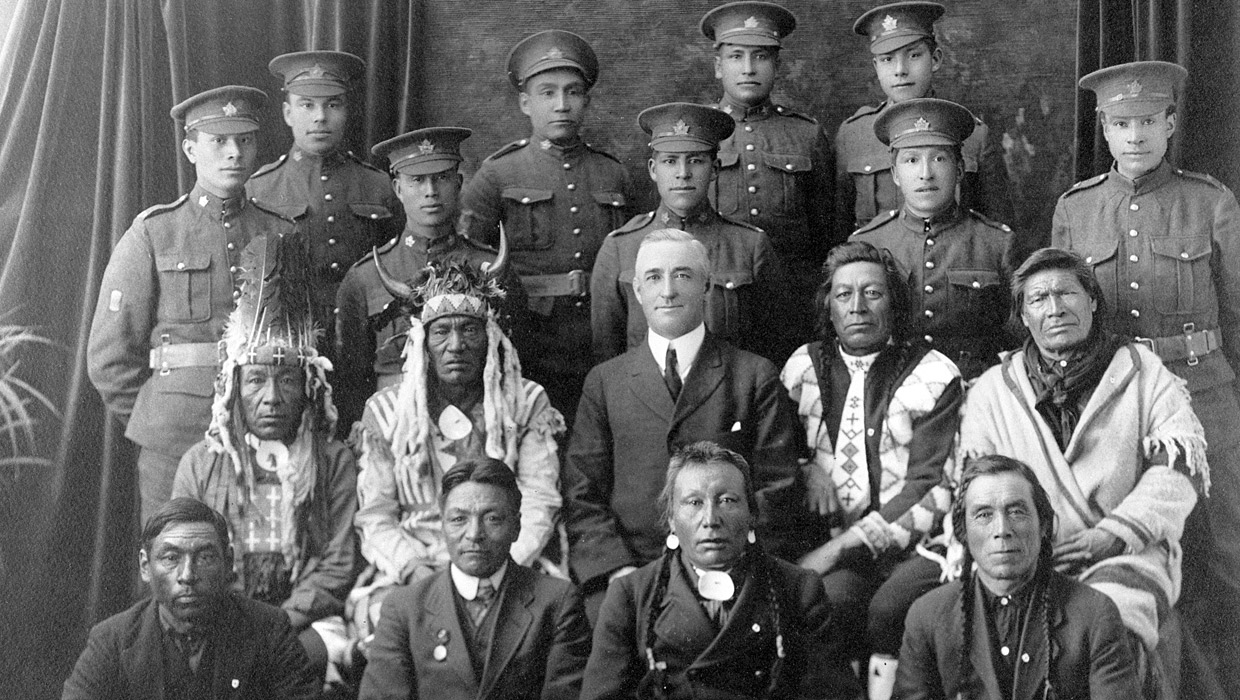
(988, 465)
(760, 565)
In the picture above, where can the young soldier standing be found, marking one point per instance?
(556, 197)
(775, 169)
(1165, 245)
(906, 56)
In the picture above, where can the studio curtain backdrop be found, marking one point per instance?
(86, 144)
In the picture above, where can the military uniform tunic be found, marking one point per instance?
(775, 173)
(343, 207)
(167, 292)
(744, 279)
(864, 188)
(556, 204)
(370, 325)
(1166, 250)
(957, 266)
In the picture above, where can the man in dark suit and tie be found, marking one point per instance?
(192, 639)
(680, 386)
(486, 627)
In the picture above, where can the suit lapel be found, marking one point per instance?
(979, 651)
(646, 383)
(143, 660)
(737, 628)
(234, 653)
(704, 378)
(683, 618)
(441, 615)
(511, 625)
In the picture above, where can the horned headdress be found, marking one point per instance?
(452, 287)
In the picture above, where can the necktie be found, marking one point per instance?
(478, 606)
(671, 373)
(851, 474)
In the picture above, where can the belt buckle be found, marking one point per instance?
(1147, 342)
(163, 364)
(577, 280)
(1196, 343)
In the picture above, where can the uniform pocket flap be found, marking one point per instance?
(370, 211)
(728, 158)
(609, 199)
(180, 262)
(1097, 252)
(292, 210)
(731, 279)
(522, 195)
(977, 279)
(868, 163)
(787, 163)
(1182, 247)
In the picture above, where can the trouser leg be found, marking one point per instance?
(155, 474)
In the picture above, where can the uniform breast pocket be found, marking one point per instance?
(1101, 256)
(977, 294)
(612, 205)
(729, 184)
(527, 218)
(1182, 273)
(725, 309)
(791, 169)
(184, 286)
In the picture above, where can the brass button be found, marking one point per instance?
(749, 147)
(749, 128)
(1133, 233)
(576, 232)
(751, 166)
(571, 186)
(1134, 206)
(227, 224)
(928, 289)
(525, 200)
(867, 168)
(1184, 255)
(232, 246)
(232, 268)
(323, 178)
(1135, 313)
(1134, 285)
(752, 189)
(929, 338)
(1132, 258)
(977, 285)
(730, 285)
(573, 210)
(335, 266)
(929, 313)
(568, 166)
(331, 241)
(753, 212)
(328, 196)
(331, 219)
(180, 266)
(929, 264)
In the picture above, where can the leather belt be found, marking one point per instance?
(1191, 346)
(568, 284)
(170, 356)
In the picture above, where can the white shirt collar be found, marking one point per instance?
(687, 347)
(467, 586)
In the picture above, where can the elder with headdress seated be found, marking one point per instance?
(1013, 627)
(461, 396)
(880, 410)
(1110, 435)
(269, 461)
(715, 616)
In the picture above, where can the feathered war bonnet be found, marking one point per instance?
(452, 287)
(272, 324)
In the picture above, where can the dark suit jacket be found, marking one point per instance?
(256, 655)
(1093, 659)
(538, 650)
(627, 428)
(703, 661)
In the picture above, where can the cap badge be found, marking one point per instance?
(229, 109)
(751, 23)
(317, 71)
(554, 52)
(1134, 88)
(426, 147)
(921, 124)
(890, 24)
(680, 128)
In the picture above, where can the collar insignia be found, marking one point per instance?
(203, 201)
(681, 128)
(890, 24)
(921, 124)
(1134, 88)
(751, 23)
(545, 144)
(426, 147)
(229, 109)
(409, 241)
